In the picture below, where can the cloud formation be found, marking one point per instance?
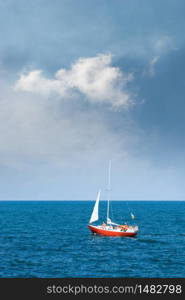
(160, 47)
(152, 64)
(163, 44)
(93, 78)
(33, 128)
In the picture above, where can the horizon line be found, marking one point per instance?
(32, 200)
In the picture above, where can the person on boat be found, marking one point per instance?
(103, 225)
(124, 227)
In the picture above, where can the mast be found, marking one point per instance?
(108, 191)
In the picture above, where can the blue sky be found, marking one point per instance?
(83, 82)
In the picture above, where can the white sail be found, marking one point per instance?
(94, 216)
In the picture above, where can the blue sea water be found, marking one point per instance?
(51, 239)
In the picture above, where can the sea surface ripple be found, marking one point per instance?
(50, 239)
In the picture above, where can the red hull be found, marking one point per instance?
(100, 231)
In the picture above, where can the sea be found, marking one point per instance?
(50, 239)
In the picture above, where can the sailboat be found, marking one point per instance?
(110, 228)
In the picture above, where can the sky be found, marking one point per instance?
(85, 82)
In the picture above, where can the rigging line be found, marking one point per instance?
(109, 189)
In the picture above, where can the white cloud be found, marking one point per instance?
(152, 63)
(159, 47)
(53, 147)
(35, 129)
(163, 44)
(46, 148)
(94, 77)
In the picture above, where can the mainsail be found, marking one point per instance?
(94, 216)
